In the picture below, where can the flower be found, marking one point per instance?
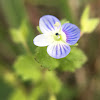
(56, 37)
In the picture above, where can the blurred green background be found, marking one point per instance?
(27, 72)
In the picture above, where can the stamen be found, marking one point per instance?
(57, 24)
(57, 34)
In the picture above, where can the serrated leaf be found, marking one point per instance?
(63, 21)
(19, 35)
(88, 25)
(45, 60)
(18, 95)
(73, 61)
(26, 67)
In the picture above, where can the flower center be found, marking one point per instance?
(59, 35)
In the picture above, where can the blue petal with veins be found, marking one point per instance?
(47, 22)
(72, 33)
(59, 50)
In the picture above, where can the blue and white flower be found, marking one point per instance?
(56, 37)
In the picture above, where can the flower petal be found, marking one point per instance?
(46, 23)
(43, 40)
(72, 33)
(58, 50)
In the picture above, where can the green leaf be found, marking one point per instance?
(18, 95)
(38, 91)
(45, 60)
(74, 45)
(74, 60)
(49, 85)
(63, 21)
(20, 35)
(88, 25)
(85, 15)
(52, 82)
(27, 68)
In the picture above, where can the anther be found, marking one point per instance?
(56, 34)
(57, 24)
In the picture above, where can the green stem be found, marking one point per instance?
(26, 47)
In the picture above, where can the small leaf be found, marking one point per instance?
(74, 45)
(20, 35)
(63, 21)
(88, 25)
(92, 24)
(74, 60)
(85, 15)
(45, 60)
(27, 68)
